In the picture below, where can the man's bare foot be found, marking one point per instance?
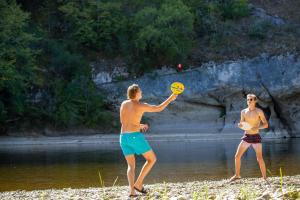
(234, 178)
(132, 192)
(141, 189)
(133, 195)
(138, 185)
(266, 180)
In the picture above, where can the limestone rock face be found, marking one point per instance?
(216, 93)
(107, 71)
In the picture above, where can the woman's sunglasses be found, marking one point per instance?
(250, 99)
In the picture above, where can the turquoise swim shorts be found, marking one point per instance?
(134, 143)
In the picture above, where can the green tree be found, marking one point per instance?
(207, 16)
(77, 103)
(233, 9)
(164, 35)
(17, 61)
(73, 99)
(96, 24)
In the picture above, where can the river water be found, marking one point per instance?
(31, 167)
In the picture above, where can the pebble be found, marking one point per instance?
(175, 191)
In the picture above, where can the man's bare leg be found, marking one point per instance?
(150, 161)
(258, 150)
(243, 146)
(131, 172)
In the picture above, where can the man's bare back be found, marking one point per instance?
(131, 113)
(132, 110)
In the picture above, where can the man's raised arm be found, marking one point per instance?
(158, 108)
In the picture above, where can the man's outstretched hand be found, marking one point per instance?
(173, 97)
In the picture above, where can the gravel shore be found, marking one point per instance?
(252, 188)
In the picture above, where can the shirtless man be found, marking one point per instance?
(254, 116)
(132, 141)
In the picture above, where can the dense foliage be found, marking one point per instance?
(46, 47)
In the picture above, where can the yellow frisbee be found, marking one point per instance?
(177, 88)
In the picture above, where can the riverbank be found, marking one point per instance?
(6, 141)
(253, 188)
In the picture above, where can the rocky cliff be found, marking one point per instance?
(216, 93)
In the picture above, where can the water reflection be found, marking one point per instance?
(40, 167)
